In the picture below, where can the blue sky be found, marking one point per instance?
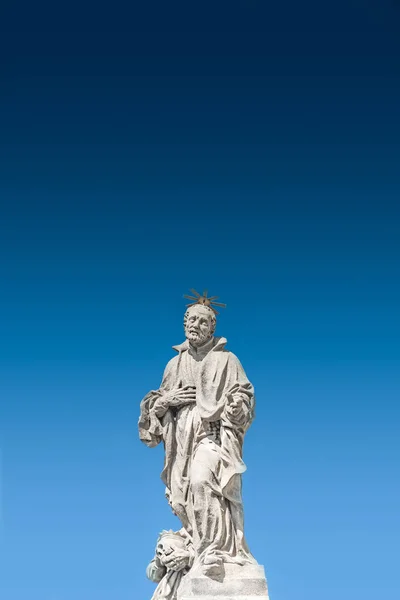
(252, 151)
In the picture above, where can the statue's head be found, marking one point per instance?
(199, 323)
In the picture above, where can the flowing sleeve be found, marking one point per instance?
(150, 425)
(233, 430)
(155, 572)
(244, 391)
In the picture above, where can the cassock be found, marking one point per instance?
(203, 447)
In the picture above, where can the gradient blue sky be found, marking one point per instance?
(247, 149)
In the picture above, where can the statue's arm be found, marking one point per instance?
(240, 401)
(150, 425)
(174, 398)
(164, 395)
(160, 405)
(155, 570)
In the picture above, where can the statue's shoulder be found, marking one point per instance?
(172, 361)
(233, 358)
(220, 346)
(230, 356)
(170, 368)
(178, 349)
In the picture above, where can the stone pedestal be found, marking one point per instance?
(246, 582)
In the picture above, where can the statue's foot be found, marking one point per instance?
(213, 566)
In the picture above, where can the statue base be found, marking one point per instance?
(246, 582)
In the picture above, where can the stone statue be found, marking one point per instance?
(201, 412)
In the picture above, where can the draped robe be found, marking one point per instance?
(203, 447)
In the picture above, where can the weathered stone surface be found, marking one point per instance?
(238, 582)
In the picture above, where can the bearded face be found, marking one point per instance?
(199, 325)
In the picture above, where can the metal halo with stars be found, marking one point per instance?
(204, 300)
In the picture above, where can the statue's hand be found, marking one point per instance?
(176, 560)
(181, 396)
(234, 408)
(174, 398)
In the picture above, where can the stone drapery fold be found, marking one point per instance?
(183, 431)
